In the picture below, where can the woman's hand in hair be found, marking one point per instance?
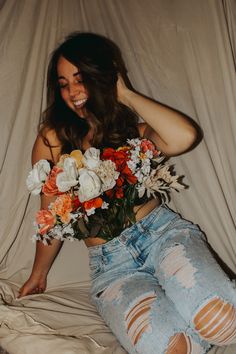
(122, 91)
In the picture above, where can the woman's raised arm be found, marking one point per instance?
(171, 131)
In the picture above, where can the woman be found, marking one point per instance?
(156, 285)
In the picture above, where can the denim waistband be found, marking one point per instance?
(127, 234)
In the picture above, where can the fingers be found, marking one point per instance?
(36, 291)
(19, 295)
(123, 92)
(120, 82)
(24, 292)
(40, 290)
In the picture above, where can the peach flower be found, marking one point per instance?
(61, 160)
(62, 207)
(46, 220)
(148, 145)
(78, 156)
(50, 188)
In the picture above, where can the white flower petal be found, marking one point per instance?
(65, 182)
(105, 205)
(108, 174)
(90, 211)
(37, 176)
(69, 177)
(91, 158)
(70, 167)
(90, 185)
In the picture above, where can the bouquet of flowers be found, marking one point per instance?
(95, 192)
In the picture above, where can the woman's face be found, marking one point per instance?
(71, 86)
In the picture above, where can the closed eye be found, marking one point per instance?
(61, 86)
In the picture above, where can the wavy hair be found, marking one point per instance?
(99, 61)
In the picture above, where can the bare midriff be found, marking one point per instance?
(141, 211)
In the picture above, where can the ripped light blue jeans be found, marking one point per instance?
(158, 284)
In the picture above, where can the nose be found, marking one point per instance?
(74, 90)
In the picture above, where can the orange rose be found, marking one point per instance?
(93, 203)
(50, 187)
(62, 207)
(46, 220)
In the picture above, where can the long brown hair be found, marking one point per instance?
(99, 61)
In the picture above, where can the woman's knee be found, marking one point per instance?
(216, 322)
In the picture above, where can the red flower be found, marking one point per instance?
(120, 181)
(119, 157)
(93, 203)
(119, 192)
(128, 175)
(76, 203)
(108, 154)
(110, 193)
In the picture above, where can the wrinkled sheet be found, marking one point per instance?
(60, 321)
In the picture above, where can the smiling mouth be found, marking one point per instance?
(79, 103)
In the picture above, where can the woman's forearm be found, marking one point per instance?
(45, 254)
(176, 132)
(44, 257)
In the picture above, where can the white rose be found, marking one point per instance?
(37, 176)
(90, 185)
(69, 177)
(91, 158)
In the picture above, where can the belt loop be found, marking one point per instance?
(123, 238)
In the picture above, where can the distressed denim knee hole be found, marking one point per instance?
(216, 322)
(137, 317)
(180, 343)
(112, 292)
(177, 344)
(98, 295)
(176, 264)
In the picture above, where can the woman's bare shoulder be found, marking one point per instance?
(47, 146)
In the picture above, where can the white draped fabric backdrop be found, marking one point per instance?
(179, 52)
